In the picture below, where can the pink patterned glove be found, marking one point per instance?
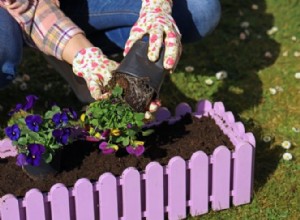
(92, 65)
(155, 19)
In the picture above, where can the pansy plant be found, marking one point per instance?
(38, 136)
(115, 124)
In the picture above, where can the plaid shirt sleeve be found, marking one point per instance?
(46, 27)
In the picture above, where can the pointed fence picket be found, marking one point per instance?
(180, 188)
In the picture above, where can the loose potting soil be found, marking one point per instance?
(84, 159)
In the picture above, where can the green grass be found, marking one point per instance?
(245, 92)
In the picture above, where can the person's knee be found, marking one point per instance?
(11, 46)
(206, 15)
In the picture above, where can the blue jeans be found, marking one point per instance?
(11, 47)
(107, 24)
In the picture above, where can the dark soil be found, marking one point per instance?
(137, 92)
(84, 159)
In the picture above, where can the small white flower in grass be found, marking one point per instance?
(243, 36)
(221, 75)
(254, 7)
(245, 24)
(296, 54)
(273, 91)
(279, 88)
(287, 156)
(294, 38)
(189, 69)
(268, 54)
(296, 130)
(17, 80)
(272, 31)
(286, 145)
(23, 86)
(267, 139)
(209, 82)
(247, 32)
(285, 53)
(297, 75)
(26, 77)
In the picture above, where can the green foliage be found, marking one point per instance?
(115, 116)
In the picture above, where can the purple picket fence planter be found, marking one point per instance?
(173, 191)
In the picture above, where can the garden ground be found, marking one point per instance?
(258, 44)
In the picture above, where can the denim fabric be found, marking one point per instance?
(11, 46)
(107, 24)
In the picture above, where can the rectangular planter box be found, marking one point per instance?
(173, 191)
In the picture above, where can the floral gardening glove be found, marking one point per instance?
(155, 19)
(92, 65)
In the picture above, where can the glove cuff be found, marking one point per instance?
(85, 61)
(157, 6)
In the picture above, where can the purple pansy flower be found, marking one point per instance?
(60, 118)
(33, 122)
(21, 160)
(129, 125)
(31, 99)
(62, 135)
(137, 151)
(105, 134)
(18, 107)
(13, 132)
(103, 146)
(35, 154)
(73, 113)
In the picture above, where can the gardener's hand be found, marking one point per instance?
(92, 65)
(155, 19)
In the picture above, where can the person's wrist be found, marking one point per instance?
(157, 6)
(77, 43)
(84, 60)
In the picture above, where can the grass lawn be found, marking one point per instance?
(259, 63)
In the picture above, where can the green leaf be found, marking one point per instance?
(48, 157)
(22, 141)
(33, 135)
(139, 116)
(147, 132)
(55, 146)
(125, 141)
(117, 91)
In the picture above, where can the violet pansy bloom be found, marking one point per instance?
(60, 118)
(35, 154)
(31, 99)
(104, 147)
(13, 132)
(73, 113)
(105, 134)
(18, 107)
(33, 122)
(62, 135)
(137, 151)
(21, 160)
